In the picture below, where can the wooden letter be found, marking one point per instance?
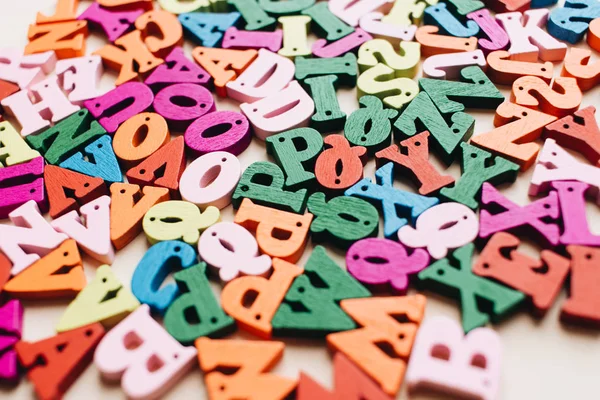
(231, 250)
(251, 361)
(291, 108)
(311, 305)
(560, 99)
(94, 236)
(379, 263)
(501, 261)
(441, 228)
(349, 383)
(431, 43)
(65, 356)
(58, 275)
(256, 317)
(583, 304)
(128, 52)
(339, 166)
(577, 66)
(504, 71)
(178, 220)
(381, 330)
(444, 361)
(31, 232)
(578, 132)
(268, 74)
(143, 356)
(477, 168)
(391, 200)
(278, 233)
(51, 106)
(66, 39)
(210, 180)
(80, 77)
(444, 277)
(414, 158)
(555, 164)
(528, 40)
(103, 300)
(497, 39)
(129, 204)
(515, 137)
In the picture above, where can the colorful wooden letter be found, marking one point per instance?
(339, 166)
(103, 300)
(30, 237)
(210, 180)
(541, 280)
(153, 268)
(143, 356)
(256, 317)
(311, 305)
(380, 330)
(296, 151)
(379, 263)
(541, 215)
(262, 182)
(528, 40)
(342, 220)
(515, 137)
(582, 306)
(504, 71)
(578, 132)
(93, 236)
(268, 74)
(555, 164)
(570, 22)
(448, 66)
(445, 361)
(51, 105)
(22, 183)
(421, 114)
(291, 108)
(130, 56)
(370, 126)
(414, 159)
(231, 250)
(349, 383)
(59, 274)
(120, 104)
(495, 38)
(218, 131)
(178, 220)
(475, 90)
(195, 312)
(128, 206)
(477, 168)
(432, 43)
(390, 200)
(251, 361)
(455, 279)
(441, 228)
(65, 356)
(561, 98)
(278, 233)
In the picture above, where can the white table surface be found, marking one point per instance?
(542, 359)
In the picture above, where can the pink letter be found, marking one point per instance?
(31, 232)
(140, 353)
(51, 105)
(94, 236)
(444, 360)
(231, 249)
